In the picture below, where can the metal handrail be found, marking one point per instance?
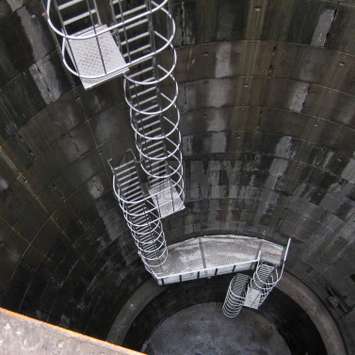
(246, 262)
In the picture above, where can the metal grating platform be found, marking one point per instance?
(210, 256)
(166, 199)
(252, 298)
(96, 59)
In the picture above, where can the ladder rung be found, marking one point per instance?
(152, 144)
(135, 38)
(135, 195)
(140, 217)
(135, 188)
(120, 172)
(155, 130)
(135, 51)
(130, 181)
(155, 162)
(138, 73)
(123, 178)
(151, 124)
(143, 228)
(134, 86)
(151, 152)
(139, 207)
(130, 12)
(140, 93)
(69, 4)
(136, 211)
(150, 108)
(133, 25)
(79, 17)
(149, 99)
(142, 120)
(158, 169)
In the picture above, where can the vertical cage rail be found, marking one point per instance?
(141, 215)
(151, 92)
(235, 297)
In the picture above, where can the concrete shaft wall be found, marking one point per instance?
(267, 95)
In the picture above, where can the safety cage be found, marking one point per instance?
(102, 39)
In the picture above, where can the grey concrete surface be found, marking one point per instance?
(203, 330)
(21, 335)
(328, 329)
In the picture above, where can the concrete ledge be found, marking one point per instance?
(315, 309)
(20, 335)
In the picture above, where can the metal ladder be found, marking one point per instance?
(252, 292)
(151, 92)
(139, 38)
(255, 295)
(99, 52)
(140, 213)
(235, 297)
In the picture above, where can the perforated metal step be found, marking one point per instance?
(166, 198)
(96, 57)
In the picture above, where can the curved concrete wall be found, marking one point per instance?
(267, 95)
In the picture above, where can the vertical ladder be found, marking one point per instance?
(252, 292)
(151, 93)
(235, 297)
(141, 215)
(259, 286)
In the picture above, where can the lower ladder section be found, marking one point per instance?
(252, 292)
(260, 281)
(141, 215)
(235, 296)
